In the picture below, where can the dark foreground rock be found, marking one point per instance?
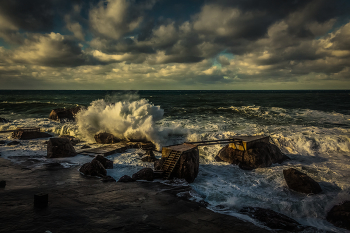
(79, 204)
(73, 139)
(261, 155)
(339, 215)
(2, 184)
(60, 148)
(301, 182)
(106, 163)
(126, 179)
(106, 138)
(143, 174)
(3, 120)
(2, 142)
(273, 219)
(27, 135)
(59, 114)
(149, 157)
(94, 168)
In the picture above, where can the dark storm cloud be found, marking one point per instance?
(181, 40)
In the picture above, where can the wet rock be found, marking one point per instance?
(106, 138)
(272, 219)
(26, 135)
(13, 143)
(108, 179)
(339, 215)
(3, 120)
(143, 174)
(2, 142)
(94, 168)
(60, 148)
(149, 157)
(59, 114)
(2, 184)
(126, 179)
(261, 155)
(188, 166)
(300, 182)
(71, 138)
(85, 147)
(107, 164)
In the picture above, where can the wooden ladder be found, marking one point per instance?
(170, 163)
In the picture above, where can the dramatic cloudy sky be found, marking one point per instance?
(167, 44)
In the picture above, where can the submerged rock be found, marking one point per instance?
(143, 174)
(301, 182)
(71, 138)
(94, 168)
(149, 157)
(64, 113)
(26, 135)
(261, 155)
(3, 120)
(106, 138)
(107, 164)
(126, 179)
(272, 219)
(60, 148)
(13, 143)
(339, 215)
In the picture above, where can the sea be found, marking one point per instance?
(311, 127)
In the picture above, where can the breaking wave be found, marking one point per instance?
(126, 117)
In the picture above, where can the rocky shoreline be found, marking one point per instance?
(85, 204)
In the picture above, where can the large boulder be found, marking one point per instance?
(64, 113)
(261, 155)
(60, 148)
(71, 138)
(339, 215)
(187, 166)
(26, 135)
(94, 168)
(301, 182)
(272, 219)
(106, 138)
(107, 164)
(143, 174)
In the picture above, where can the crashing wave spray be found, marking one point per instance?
(131, 118)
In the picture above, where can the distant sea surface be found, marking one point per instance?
(311, 127)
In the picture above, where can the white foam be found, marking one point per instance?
(126, 119)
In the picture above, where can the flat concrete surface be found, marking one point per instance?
(83, 204)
